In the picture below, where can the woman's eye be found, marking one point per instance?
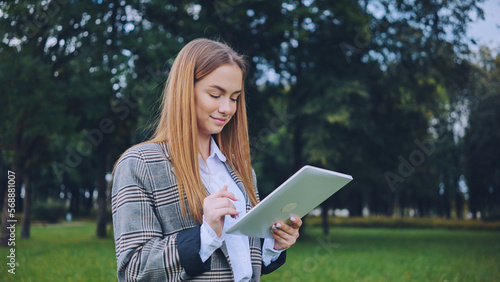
(234, 99)
(214, 96)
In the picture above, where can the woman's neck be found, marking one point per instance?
(204, 145)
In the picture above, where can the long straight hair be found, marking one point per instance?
(178, 126)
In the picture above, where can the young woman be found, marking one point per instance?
(174, 196)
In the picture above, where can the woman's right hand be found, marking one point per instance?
(216, 207)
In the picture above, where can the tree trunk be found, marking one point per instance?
(459, 202)
(357, 204)
(74, 201)
(88, 202)
(390, 204)
(447, 204)
(422, 208)
(324, 217)
(25, 229)
(402, 205)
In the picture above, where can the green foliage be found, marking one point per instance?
(354, 91)
(50, 211)
(481, 150)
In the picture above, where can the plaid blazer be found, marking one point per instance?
(153, 240)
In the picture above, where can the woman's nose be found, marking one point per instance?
(225, 105)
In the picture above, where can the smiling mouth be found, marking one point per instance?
(220, 121)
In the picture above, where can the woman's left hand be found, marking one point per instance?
(285, 235)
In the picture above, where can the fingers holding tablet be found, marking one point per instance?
(286, 234)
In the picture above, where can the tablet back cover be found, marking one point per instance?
(299, 195)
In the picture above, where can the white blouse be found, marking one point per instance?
(214, 176)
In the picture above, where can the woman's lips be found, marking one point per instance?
(219, 121)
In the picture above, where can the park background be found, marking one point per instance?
(399, 94)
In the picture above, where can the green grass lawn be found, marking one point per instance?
(71, 252)
(355, 254)
(62, 252)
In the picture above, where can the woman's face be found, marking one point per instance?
(216, 96)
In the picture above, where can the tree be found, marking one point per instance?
(482, 138)
(45, 56)
(31, 117)
(357, 87)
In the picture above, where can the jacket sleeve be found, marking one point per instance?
(143, 252)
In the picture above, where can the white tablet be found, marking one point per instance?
(298, 195)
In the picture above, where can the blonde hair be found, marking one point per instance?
(178, 127)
